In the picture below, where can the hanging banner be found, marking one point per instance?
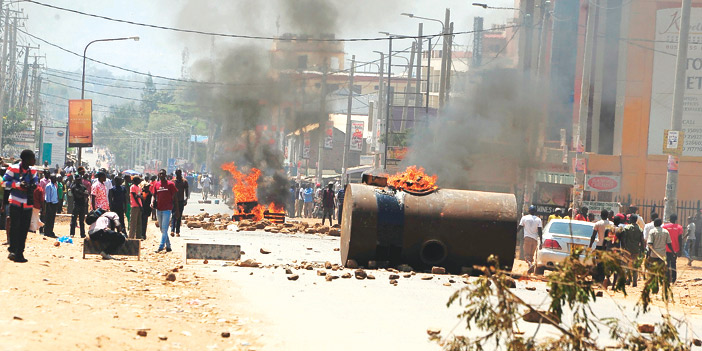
(356, 136)
(329, 136)
(306, 147)
(53, 146)
(80, 123)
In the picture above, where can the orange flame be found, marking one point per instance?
(244, 189)
(413, 179)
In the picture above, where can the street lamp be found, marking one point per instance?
(82, 83)
(486, 6)
(411, 15)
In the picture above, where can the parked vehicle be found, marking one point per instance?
(560, 236)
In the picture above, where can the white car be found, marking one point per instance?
(558, 242)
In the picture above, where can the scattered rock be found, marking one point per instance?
(334, 232)
(141, 332)
(697, 342)
(370, 276)
(393, 281)
(427, 277)
(394, 277)
(346, 275)
(17, 318)
(205, 262)
(407, 276)
(531, 288)
(226, 334)
(176, 269)
(57, 244)
(438, 270)
(327, 265)
(242, 252)
(646, 328)
(248, 263)
(336, 249)
(360, 274)
(433, 331)
(335, 267)
(171, 277)
(264, 251)
(329, 277)
(535, 316)
(294, 277)
(163, 337)
(351, 264)
(288, 271)
(321, 273)
(447, 284)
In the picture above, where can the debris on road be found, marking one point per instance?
(293, 277)
(142, 332)
(646, 328)
(264, 251)
(170, 277)
(438, 270)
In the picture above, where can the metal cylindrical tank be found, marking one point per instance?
(447, 227)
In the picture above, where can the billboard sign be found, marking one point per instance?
(663, 83)
(608, 183)
(356, 136)
(80, 123)
(329, 136)
(53, 145)
(306, 146)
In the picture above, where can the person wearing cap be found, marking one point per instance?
(533, 232)
(557, 214)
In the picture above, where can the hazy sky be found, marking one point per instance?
(159, 51)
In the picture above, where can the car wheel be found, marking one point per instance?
(540, 270)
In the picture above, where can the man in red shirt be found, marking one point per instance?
(675, 231)
(582, 215)
(164, 198)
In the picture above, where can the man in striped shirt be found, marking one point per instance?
(22, 179)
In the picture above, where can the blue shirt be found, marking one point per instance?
(309, 195)
(51, 193)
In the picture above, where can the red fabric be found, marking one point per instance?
(675, 231)
(580, 217)
(38, 197)
(163, 195)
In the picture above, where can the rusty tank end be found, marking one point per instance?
(446, 227)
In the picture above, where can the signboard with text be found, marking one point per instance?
(80, 123)
(597, 206)
(609, 183)
(673, 141)
(356, 136)
(53, 146)
(329, 136)
(663, 83)
(306, 146)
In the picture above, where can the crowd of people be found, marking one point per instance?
(656, 242)
(308, 200)
(115, 206)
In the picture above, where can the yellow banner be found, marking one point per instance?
(80, 123)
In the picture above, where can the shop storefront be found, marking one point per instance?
(553, 190)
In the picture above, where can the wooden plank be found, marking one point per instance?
(131, 247)
(201, 251)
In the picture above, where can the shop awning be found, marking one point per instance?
(555, 178)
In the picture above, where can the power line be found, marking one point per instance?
(239, 36)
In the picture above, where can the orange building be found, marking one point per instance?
(631, 86)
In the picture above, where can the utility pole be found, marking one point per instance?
(407, 88)
(444, 54)
(12, 63)
(581, 127)
(381, 100)
(322, 126)
(387, 107)
(418, 86)
(449, 63)
(347, 141)
(671, 187)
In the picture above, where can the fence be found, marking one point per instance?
(647, 207)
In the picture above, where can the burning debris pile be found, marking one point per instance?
(208, 222)
(413, 180)
(244, 190)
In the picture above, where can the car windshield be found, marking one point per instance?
(580, 230)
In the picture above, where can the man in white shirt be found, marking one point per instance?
(649, 226)
(533, 230)
(103, 228)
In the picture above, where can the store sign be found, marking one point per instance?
(608, 183)
(80, 123)
(597, 206)
(329, 136)
(545, 209)
(306, 146)
(663, 83)
(356, 136)
(53, 145)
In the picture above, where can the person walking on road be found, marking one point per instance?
(206, 184)
(136, 203)
(99, 193)
(689, 239)
(675, 230)
(51, 203)
(658, 241)
(182, 196)
(328, 204)
(80, 196)
(309, 201)
(164, 199)
(533, 231)
(117, 197)
(632, 242)
(146, 210)
(22, 179)
(340, 203)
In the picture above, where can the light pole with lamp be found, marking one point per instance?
(82, 84)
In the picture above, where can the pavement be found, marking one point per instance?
(349, 314)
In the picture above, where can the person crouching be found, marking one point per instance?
(104, 227)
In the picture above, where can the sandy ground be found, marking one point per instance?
(60, 301)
